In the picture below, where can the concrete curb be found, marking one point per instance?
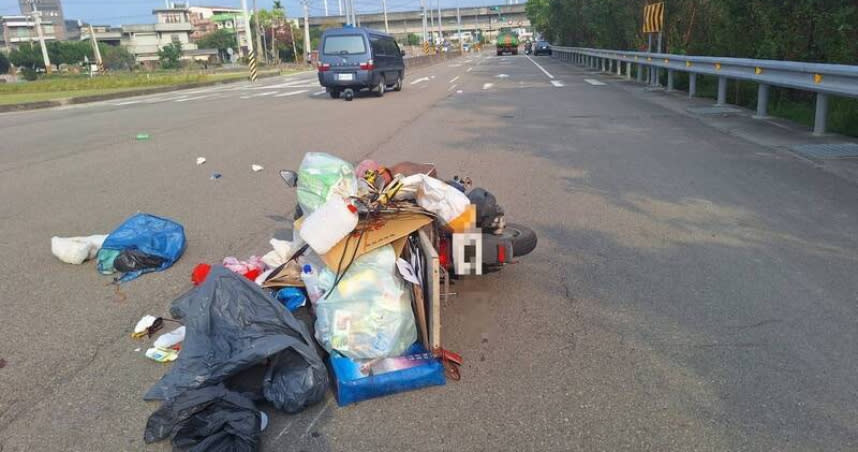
(119, 95)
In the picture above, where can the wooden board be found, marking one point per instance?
(432, 290)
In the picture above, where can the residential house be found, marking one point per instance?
(51, 10)
(207, 19)
(172, 25)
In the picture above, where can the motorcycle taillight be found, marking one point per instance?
(444, 253)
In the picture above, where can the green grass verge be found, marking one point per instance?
(65, 86)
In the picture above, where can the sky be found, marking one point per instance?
(120, 12)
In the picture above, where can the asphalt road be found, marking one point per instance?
(692, 290)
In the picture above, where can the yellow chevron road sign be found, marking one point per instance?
(653, 18)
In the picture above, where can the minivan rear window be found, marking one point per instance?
(344, 45)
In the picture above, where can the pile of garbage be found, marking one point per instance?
(354, 274)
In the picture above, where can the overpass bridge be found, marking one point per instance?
(487, 20)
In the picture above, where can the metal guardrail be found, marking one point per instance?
(823, 79)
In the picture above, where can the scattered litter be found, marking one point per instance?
(407, 271)
(250, 268)
(171, 339)
(215, 176)
(201, 160)
(142, 136)
(322, 176)
(161, 355)
(282, 250)
(199, 273)
(137, 349)
(2, 363)
(150, 238)
(209, 418)
(458, 91)
(330, 223)
(143, 326)
(256, 168)
(76, 250)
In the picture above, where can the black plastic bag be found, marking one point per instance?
(232, 325)
(207, 419)
(130, 260)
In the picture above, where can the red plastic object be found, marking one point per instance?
(501, 253)
(198, 275)
(253, 274)
(444, 253)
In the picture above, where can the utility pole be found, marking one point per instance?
(423, 7)
(384, 6)
(250, 53)
(440, 32)
(340, 6)
(326, 7)
(307, 50)
(37, 17)
(95, 50)
(459, 27)
(258, 33)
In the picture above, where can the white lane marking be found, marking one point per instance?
(557, 83)
(419, 80)
(267, 93)
(488, 85)
(455, 65)
(470, 69)
(129, 102)
(594, 82)
(454, 79)
(286, 428)
(451, 88)
(458, 91)
(540, 67)
(291, 93)
(319, 93)
(316, 418)
(432, 77)
(502, 76)
(192, 98)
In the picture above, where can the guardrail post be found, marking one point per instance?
(821, 117)
(762, 102)
(692, 84)
(602, 62)
(619, 67)
(640, 73)
(628, 70)
(669, 80)
(722, 91)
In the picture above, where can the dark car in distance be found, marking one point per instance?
(542, 48)
(354, 58)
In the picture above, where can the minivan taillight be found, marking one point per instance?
(368, 66)
(324, 67)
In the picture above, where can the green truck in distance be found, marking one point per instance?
(507, 42)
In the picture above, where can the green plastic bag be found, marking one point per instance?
(321, 176)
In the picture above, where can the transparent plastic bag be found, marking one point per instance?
(368, 314)
(322, 175)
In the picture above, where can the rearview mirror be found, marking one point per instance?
(290, 177)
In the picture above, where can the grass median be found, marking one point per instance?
(67, 86)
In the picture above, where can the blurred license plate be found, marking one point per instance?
(345, 76)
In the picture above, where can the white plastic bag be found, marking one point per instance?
(282, 251)
(435, 196)
(368, 314)
(76, 250)
(321, 176)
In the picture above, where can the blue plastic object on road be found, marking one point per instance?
(154, 236)
(361, 380)
(291, 297)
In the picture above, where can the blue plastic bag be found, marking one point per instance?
(291, 297)
(149, 234)
(361, 380)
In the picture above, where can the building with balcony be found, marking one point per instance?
(17, 30)
(51, 10)
(171, 25)
(207, 19)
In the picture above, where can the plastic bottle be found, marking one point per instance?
(329, 224)
(311, 283)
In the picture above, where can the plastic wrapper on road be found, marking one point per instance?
(232, 325)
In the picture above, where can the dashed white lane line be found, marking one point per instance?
(432, 77)
(267, 93)
(192, 98)
(451, 88)
(540, 67)
(470, 69)
(291, 93)
(594, 82)
(319, 93)
(419, 80)
(557, 83)
(454, 79)
(129, 102)
(502, 76)
(488, 85)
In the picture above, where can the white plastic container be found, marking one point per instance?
(329, 224)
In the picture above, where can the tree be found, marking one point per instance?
(413, 39)
(169, 55)
(69, 52)
(116, 58)
(4, 63)
(27, 56)
(221, 39)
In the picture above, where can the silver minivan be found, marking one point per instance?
(351, 59)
